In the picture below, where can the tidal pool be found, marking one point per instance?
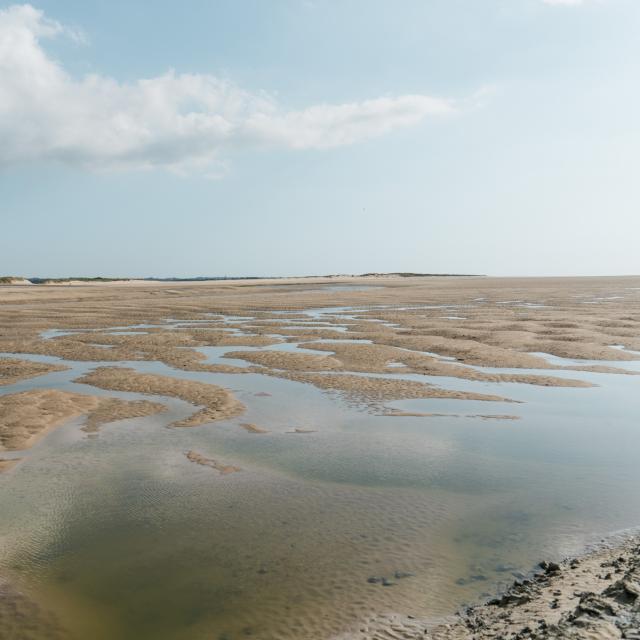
(121, 536)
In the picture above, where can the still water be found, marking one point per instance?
(122, 537)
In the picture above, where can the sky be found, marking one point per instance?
(300, 137)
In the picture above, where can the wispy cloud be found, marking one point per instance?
(183, 122)
(565, 2)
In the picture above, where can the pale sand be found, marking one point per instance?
(252, 428)
(13, 370)
(289, 361)
(5, 465)
(417, 414)
(173, 348)
(489, 333)
(223, 469)
(377, 390)
(484, 322)
(27, 416)
(218, 403)
(112, 409)
(374, 358)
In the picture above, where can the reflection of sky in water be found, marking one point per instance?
(123, 519)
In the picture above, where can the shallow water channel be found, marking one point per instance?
(123, 537)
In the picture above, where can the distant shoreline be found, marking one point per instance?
(16, 280)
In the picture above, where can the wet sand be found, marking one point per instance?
(113, 409)
(377, 391)
(23, 619)
(218, 403)
(28, 416)
(417, 414)
(5, 465)
(466, 322)
(220, 467)
(13, 370)
(595, 596)
(535, 331)
(252, 428)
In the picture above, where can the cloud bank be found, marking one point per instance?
(183, 122)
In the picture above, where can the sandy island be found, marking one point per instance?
(27, 416)
(13, 370)
(218, 403)
(220, 467)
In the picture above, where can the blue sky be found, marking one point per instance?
(312, 137)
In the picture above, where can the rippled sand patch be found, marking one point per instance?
(288, 361)
(378, 357)
(218, 403)
(418, 414)
(27, 416)
(112, 409)
(174, 348)
(23, 619)
(466, 324)
(223, 469)
(5, 465)
(13, 370)
(253, 428)
(376, 390)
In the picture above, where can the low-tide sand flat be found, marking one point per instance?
(453, 432)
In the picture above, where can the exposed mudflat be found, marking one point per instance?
(498, 323)
(314, 371)
(222, 468)
(218, 403)
(13, 370)
(376, 391)
(253, 428)
(27, 416)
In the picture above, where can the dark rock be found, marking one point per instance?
(549, 567)
(510, 598)
(623, 591)
(403, 574)
(374, 579)
(595, 606)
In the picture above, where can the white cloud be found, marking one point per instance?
(564, 2)
(182, 122)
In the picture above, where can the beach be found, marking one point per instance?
(276, 445)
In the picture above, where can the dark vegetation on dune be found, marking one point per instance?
(403, 274)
